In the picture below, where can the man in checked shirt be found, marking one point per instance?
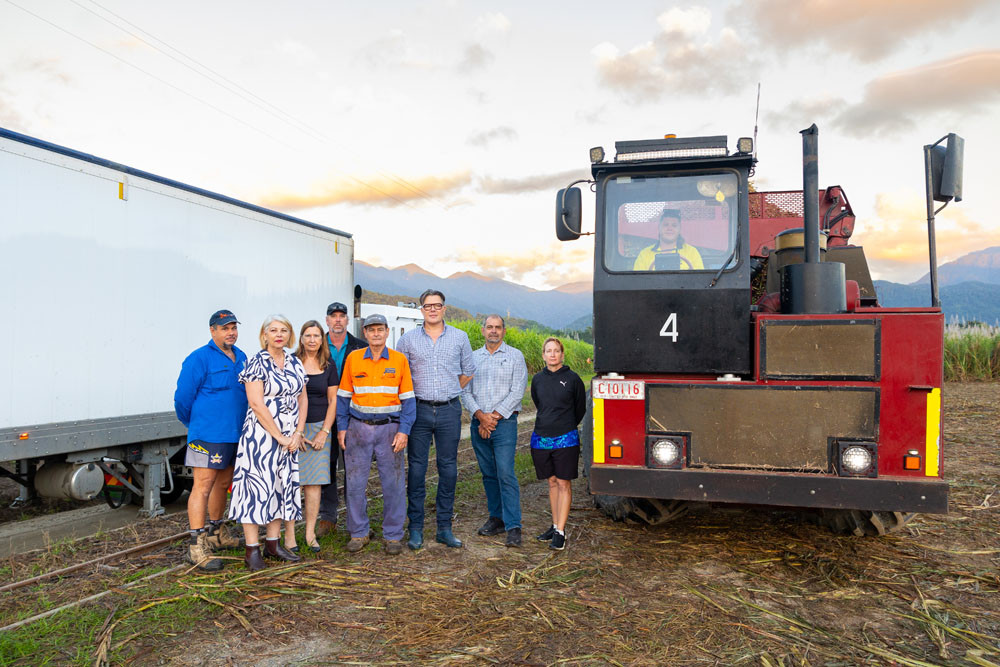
(440, 358)
(493, 398)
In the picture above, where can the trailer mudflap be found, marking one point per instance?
(891, 494)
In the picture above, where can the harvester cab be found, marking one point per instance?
(672, 256)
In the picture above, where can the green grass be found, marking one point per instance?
(971, 353)
(579, 355)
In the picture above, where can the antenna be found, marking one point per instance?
(756, 115)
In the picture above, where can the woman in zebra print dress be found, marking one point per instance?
(266, 476)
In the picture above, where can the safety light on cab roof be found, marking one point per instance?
(744, 145)
(597, 154)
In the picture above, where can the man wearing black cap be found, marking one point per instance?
(341, 344)
(211, 403)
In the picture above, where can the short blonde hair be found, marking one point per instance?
(277, 318)
(552, 339)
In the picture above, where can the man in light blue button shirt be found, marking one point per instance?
(441, 363)
(493, 397)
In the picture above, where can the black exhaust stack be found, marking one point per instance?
(813, 286)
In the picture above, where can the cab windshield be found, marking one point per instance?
(670, 223)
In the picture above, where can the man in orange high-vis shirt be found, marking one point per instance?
(376, 409)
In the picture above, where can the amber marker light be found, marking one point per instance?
(911, 461)
(22, 436)
(615, 450)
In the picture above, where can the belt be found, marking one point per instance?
(437, 404)
(378, 422)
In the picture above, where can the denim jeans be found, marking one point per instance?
(444, 424)
(364, 441)
(496, 462)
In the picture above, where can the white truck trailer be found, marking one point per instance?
(110, 275)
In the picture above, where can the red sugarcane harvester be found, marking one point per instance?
(741, 355)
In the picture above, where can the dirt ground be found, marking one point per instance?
(717, 587)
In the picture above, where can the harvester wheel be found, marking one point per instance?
(864, 523)
(652, 511)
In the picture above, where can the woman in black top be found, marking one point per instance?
(561, 399)
(321, 389)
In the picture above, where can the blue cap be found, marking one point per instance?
(221, 317)
(375, 319)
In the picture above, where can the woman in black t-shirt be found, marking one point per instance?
(561, 399)
(321, 390)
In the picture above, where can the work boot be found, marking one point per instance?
(274, 550)
(200, 554)
(253, 559)
(513, 537)
(493, 526)
(393, 547)
(357, 544)
(447, 538)
(416, 540)
(324, 527)
(219, 537)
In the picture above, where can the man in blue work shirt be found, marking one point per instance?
(440, 358)
(341, 343)
(212, 404)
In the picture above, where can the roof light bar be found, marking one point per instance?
(671, 148)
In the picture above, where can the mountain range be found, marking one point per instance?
(555, 308)
(969, 289)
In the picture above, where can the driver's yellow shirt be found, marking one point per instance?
(689, 255)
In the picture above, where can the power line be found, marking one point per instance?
(193, 96)
(240, 91)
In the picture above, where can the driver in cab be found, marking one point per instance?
(671, 253)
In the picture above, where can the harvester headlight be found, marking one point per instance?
(597, 154)
(744, 145)
(858, 459)
(666, 452)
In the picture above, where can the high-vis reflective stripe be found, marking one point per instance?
(598, 430)
(376, 390)
(375, 409)
(344, 393)
(407, 394)
(933, 438)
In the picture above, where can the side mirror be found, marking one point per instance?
(568, 211)
(946, 169)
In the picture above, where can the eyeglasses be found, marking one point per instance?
(432, 306)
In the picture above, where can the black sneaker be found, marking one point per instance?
(513, 537)
(547, 535)
(493, 526)
(558, 541)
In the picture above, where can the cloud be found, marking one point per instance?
(392, 50)
(492, 23)
(555, 264)
(962, 85)
(296, 52)
(486, 137)
(513, 186)
(863, 29)
(895, 237)
(475, 57)
(680, 60)
(379, 191)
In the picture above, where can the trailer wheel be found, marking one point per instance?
(652, 511)
(864, 523)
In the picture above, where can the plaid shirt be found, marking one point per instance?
(436, 365)
(499, 381)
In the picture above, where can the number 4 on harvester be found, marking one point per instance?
(669, 327)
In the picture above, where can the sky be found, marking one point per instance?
(437, 132)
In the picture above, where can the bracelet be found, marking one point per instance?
(324, 430)
(302, 433)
